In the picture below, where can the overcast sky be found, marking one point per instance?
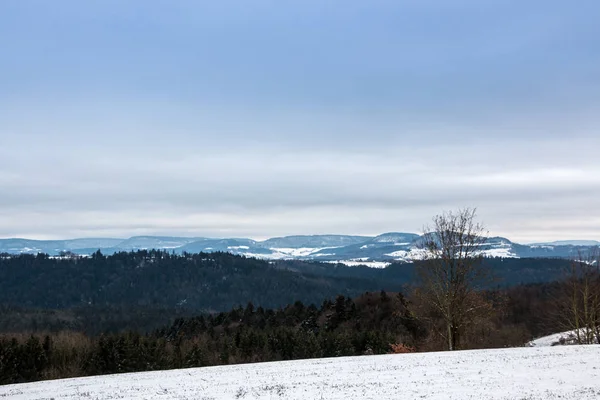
(265, 118)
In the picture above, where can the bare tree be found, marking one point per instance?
(452, 270)
(579, 300)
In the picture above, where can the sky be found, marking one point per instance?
(238, 118)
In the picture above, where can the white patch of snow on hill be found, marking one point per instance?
(503, 252)
(358, 262)
(409, 255)
(298, 252)
(403, 254)
(553, 340)
(260, 256)
(421, 254)
(568, 373)
(288, 253)
(238, 248)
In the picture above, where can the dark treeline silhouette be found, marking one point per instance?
(369, 324)
(374, 323)
(509, 271)
(210, 282)
(158, 279)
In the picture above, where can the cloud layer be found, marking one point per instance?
(270, 119)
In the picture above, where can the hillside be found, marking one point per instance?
(374, 323)
(200, 282)
(568, 373)
(212, 282)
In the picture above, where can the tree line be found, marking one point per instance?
(373, 323)
(369, 324)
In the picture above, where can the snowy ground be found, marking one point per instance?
(562, 372)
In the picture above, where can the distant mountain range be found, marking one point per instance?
(377, 251)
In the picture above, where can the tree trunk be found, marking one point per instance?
(453, 337)
(456, 338)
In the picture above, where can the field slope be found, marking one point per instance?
(562, 372)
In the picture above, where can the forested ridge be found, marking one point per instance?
(373, 323)
(200, 282)
(211, 282)
(145, 290)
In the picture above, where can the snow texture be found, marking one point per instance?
(562, 372)
(358, 263)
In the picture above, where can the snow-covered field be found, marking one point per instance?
(561, 372)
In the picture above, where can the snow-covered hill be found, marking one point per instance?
(566, 338)
(352, 250)
(568, 373)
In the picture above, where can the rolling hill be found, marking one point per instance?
(353, 250)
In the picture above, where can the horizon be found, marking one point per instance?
(263, 239)
(261, 119)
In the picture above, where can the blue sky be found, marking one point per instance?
(264, 118)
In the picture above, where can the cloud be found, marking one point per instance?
(264, 193)
(266, 119)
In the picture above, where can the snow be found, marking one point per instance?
(358, 262)
(409, 255)
(260, 256)
(565, 372)
(238, 247)
(299, 252)
(503, 252)
(421, 254)
(554, 339)
(285, 253)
